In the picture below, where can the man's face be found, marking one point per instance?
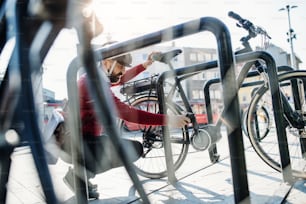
(116, 73)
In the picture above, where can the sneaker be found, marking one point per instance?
(93, 194)
(92, 188)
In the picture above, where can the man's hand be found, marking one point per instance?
(177, 121)
(149, 61)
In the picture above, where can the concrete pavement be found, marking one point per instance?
(198, 182)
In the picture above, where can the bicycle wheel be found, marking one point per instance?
(153, 163)
(262, 122)
(267, 147)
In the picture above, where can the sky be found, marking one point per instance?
(123, 20)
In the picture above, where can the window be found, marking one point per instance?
(198, 77)
(214, 56)
(193, 57)
(216, 74)
(208, 56)
(197, 94)
(204, 77)
(201, 57)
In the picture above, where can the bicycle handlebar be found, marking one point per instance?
(235, 16)
(248, 25)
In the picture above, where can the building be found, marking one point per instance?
(282, 57)
(194, 85)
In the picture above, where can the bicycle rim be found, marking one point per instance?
(153, 163)
(262, 122)
(267, 147)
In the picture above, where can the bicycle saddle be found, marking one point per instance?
(166, 57)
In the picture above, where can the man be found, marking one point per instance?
(99, 155)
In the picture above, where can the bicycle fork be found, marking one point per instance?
(204, 137)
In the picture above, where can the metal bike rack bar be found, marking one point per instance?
(181, 30)
(240, 79)
(226, 65)
(22, 113)
(276, 102)
(210, 82)
(298, 106)
(167, 34)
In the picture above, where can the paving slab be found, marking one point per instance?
(199, 181)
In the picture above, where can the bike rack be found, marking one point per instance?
(104, 104)
(97, 85)
(227, 72)
(108, 119)
(287, 174)
(245, 69)
(276, 103)
(228, 78)
(226, 64)
(245, 84)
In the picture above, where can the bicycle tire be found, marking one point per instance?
(153, 164)
(267, 148)
(266, 127)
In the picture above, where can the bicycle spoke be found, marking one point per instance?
(153, 162)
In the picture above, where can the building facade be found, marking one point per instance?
(193, 86)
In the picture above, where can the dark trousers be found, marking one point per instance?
(100, 154)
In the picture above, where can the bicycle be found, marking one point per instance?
(143, 95)
(294, 117)
(260, 130)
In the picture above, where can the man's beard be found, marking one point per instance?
(114, 78)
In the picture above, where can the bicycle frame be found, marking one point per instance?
(292, 116)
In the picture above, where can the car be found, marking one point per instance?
(201, 119)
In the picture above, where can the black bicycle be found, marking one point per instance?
(260, 129)
(142, 94)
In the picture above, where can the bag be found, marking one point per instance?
(57, 138)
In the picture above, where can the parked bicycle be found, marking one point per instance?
(144, 97)
(142, 94)
(260, 129)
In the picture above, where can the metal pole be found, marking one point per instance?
(291, 35)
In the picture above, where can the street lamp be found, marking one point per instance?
(291, 34)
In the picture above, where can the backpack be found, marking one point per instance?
(57, 137)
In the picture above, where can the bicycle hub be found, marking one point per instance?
(205, 137)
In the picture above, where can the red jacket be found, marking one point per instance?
(91, 124)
